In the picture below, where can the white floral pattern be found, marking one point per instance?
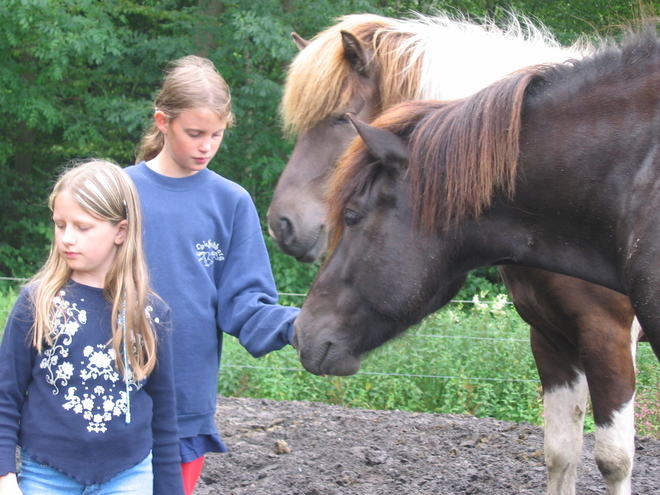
(208, 252)
(104, 394)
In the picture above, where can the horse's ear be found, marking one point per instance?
(300, 42)
(354, 52)
(384, 145)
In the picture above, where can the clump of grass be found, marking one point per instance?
(647, 401)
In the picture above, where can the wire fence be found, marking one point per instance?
(403, 375)
(415, 335)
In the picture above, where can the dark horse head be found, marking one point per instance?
(553, 167)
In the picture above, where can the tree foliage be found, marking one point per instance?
(78, 78)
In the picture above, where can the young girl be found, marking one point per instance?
(86, 385)
(205, 250)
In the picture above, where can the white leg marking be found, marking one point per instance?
(635, 332)
(615, 445)
(564, 419)
(615, 450)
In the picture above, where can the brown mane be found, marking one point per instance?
(461, 154)
(321, 69)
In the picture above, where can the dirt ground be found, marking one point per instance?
(305, 448)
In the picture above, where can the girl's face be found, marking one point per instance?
(87, 244)
(191, 141)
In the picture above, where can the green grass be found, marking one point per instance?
(465, 359)
(438, 366)
(8, 295)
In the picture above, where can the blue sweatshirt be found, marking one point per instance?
(208, 261)
(66, 406)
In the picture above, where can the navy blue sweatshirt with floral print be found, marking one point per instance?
(66, 406)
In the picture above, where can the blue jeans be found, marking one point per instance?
(38, 479)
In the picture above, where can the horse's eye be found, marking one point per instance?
(341, 120)
(351, 217)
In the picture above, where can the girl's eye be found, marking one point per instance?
(351, 217)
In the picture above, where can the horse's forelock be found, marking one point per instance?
(320, 79)
(356, 169)
(349, 178)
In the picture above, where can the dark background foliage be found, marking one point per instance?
(78, 78)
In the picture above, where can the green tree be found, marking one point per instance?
(76, 80)
(78, 77)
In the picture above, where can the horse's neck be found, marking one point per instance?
(459, 63)
(509, 235)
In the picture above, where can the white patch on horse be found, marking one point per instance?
(524, 44)
(615, 444)
(615, 450)
(636, 333)
(564, 407)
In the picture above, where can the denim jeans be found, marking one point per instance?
(35, 478)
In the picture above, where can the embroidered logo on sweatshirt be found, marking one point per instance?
(208, 252)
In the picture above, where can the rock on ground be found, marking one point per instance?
(306, 448)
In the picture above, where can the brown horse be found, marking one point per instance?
(366, 63)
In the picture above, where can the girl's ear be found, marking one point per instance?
(122, 232)
(162, 122)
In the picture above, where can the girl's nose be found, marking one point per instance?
(205, 146)
(68, 237)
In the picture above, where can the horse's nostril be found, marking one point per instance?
(286, 230)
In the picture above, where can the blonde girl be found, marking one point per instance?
(205, 249)
(86, 384)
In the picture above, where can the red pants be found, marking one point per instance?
(191, 472)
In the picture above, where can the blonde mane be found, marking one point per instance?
(422, 58)
(320, 79)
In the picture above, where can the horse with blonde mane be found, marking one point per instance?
(363, 65)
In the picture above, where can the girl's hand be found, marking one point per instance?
(9, 485)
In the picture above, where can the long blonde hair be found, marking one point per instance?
(191, 82)
(106, 192)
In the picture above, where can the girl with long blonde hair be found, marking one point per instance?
(86, 386)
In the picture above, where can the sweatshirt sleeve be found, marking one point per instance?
(247, 297)
(160, 387)
(16, 361)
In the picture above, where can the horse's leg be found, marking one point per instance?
(610, 368)
(565, 395)
(580, 329)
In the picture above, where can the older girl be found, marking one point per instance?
(205, 249)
